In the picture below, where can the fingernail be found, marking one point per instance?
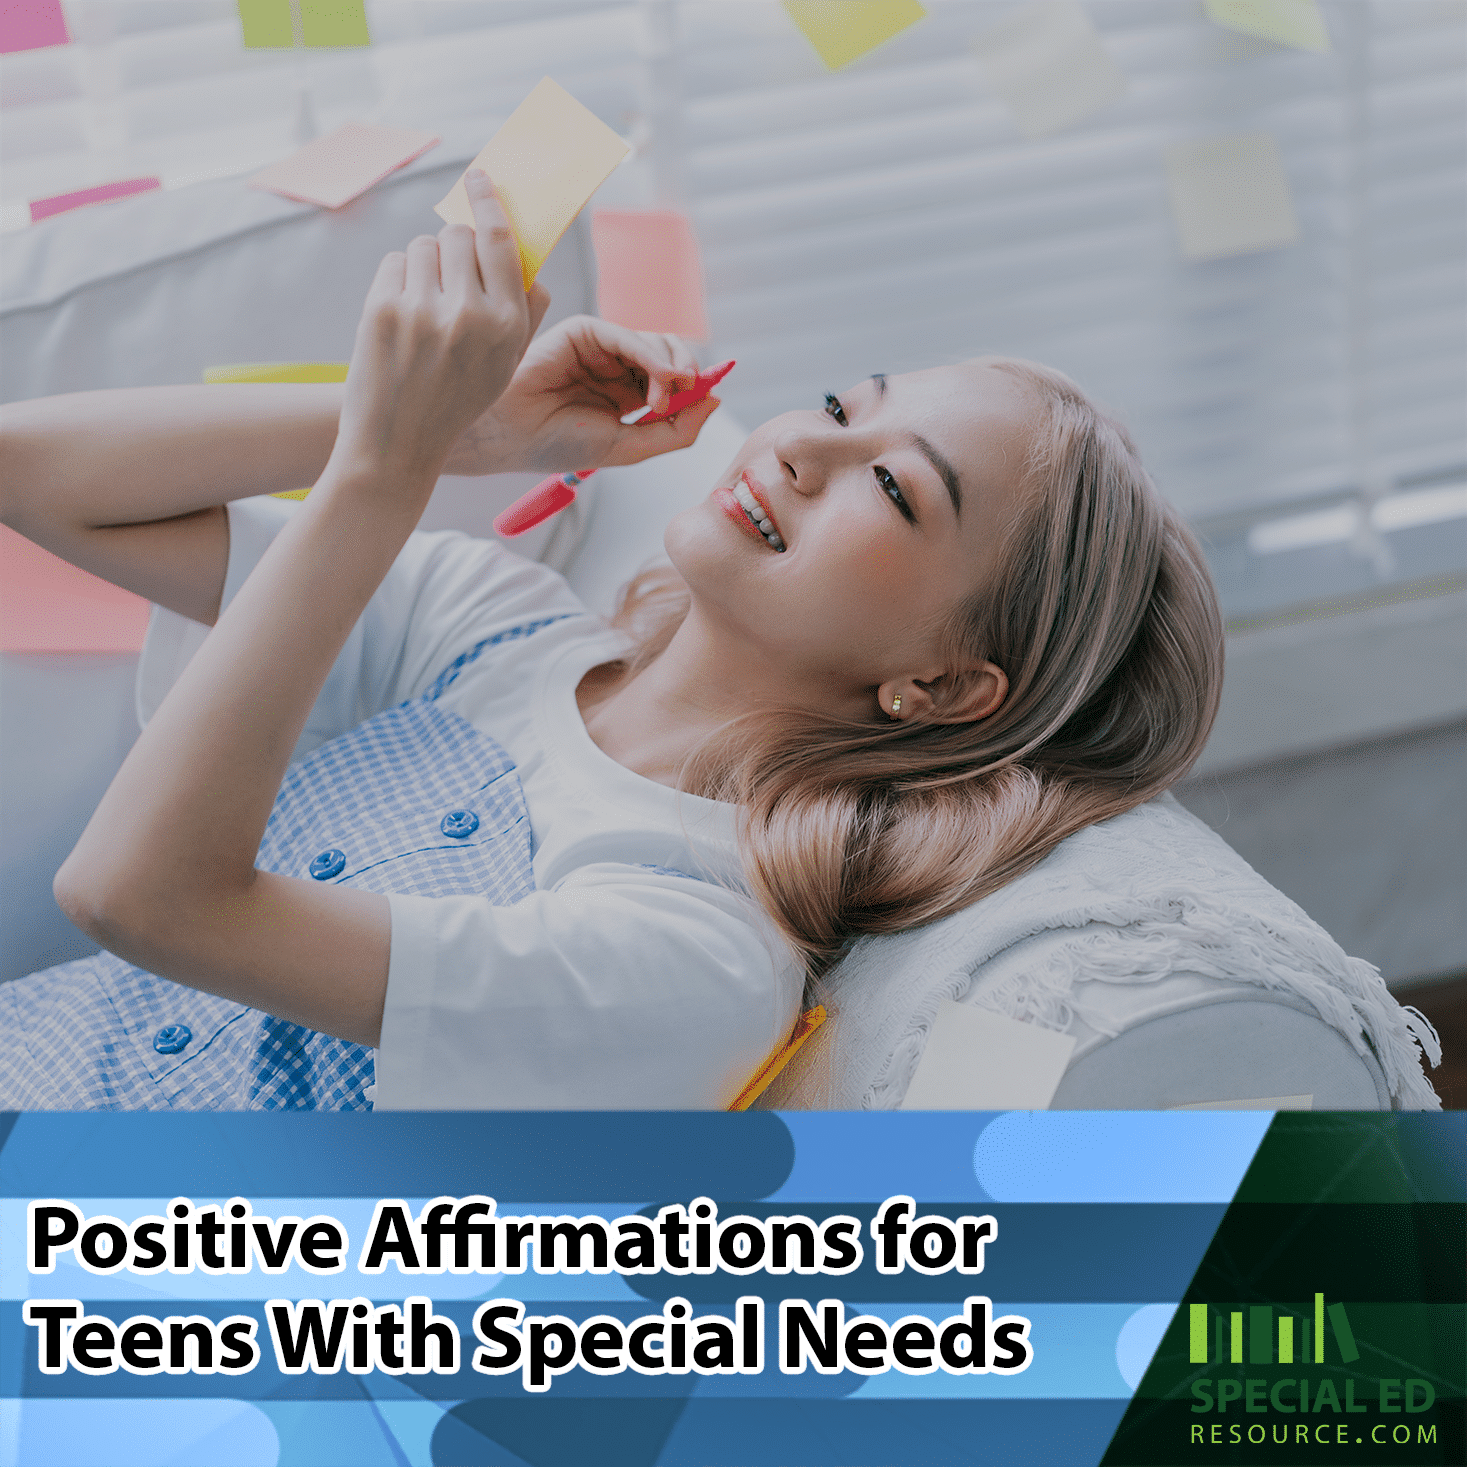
(476, 174)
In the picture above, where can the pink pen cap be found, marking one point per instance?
(548, 497)
(703, 384)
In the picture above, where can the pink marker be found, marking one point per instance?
(548, 497)
(553, 494)
(703, 384)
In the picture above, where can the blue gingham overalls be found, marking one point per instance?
(414, 801)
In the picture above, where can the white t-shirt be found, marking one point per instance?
(612, 986)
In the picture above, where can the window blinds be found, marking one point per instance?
(891, 215)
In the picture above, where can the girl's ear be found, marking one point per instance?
(984, 687)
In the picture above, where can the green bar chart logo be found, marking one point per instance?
(1274, 1335)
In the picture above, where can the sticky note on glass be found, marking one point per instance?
(549, 158)
(334, 23)
(649, 274)
(1230, 196)
(27, 25)
(843, 30)
(1047, 62)
(47, 605)
(337, 168)
(1296, 23)
(267, 23)
(280, 372)
(61, 203)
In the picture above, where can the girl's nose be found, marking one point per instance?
(809, 456)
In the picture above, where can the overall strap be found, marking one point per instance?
(449, 675)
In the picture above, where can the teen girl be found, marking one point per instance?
(415, 828)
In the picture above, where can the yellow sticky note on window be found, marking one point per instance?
(842, 30)
(1230, 196)
(1295, 23)
(549, 158)
(280, 372)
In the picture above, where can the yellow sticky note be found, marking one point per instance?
(1295, 23)
(842, 30)
(550, 156)
(1230, 196)
(280, 372)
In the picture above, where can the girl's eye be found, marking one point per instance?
(834, 409)
(893, 491)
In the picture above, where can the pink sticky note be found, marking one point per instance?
(27, 25)
(47, 605)
(344, 163)
(650, 274)
(60, 203)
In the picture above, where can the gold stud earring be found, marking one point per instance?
(896, 706)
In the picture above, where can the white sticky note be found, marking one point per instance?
(1230, 196)
(1296, 23)
(1047, 62)
(979, 1060)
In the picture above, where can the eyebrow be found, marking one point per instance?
(945, 471)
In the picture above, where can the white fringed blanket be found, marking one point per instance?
(1149, 894)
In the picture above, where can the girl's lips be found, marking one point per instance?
(725, 500)
(761, 497)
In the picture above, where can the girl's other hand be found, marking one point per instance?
(444, 326)
(564, 405)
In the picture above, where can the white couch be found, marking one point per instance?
(154, 288)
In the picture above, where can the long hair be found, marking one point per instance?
(1105, 620)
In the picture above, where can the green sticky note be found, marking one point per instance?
(1296, 23)
(266, 23)
(842, 30)
(334, 23)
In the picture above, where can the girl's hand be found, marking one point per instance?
(443, 328)
(563, 407)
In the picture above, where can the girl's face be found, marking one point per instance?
(889, 500)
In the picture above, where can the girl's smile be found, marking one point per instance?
(747, 505)
(884, 509)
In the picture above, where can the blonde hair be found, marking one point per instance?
(1106, 622)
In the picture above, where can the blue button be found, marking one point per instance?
(458, 824)
(328, 864)
(171, 1038)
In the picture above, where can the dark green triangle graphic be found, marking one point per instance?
(1326, 1321)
